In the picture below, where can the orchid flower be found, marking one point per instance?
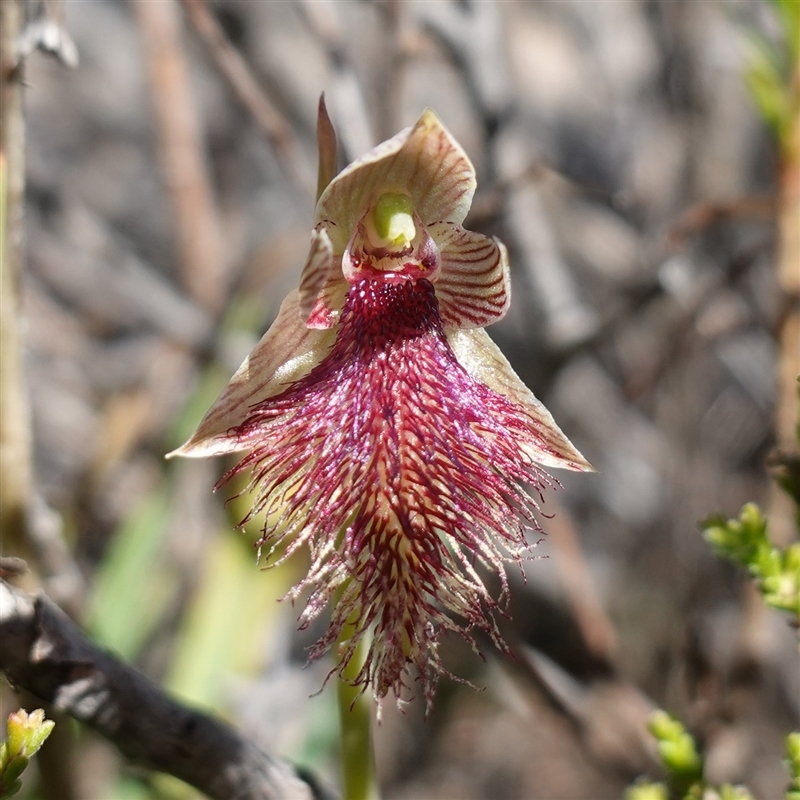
(384, 431)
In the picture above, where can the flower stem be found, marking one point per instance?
(355, 714)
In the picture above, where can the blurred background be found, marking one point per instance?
(621, 158)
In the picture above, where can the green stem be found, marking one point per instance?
(355, 714)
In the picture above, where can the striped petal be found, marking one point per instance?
(423, 161)
(386, 432)
(473, 286)
(322, 287)
(482, 359)
(287, 351)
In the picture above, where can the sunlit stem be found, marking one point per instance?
(355, 713)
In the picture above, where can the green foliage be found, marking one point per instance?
(744, 541)
(786, 473)
(230, 618)
(684, 766)
(777, 574)
(770, 70)
(677, 751)
(767, 84)
(121, 616)
(25, 734)
(645, 790)
(793, 765)
(789, 11)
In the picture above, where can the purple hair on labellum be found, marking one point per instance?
(384, 431)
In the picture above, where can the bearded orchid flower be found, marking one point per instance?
(383, 429)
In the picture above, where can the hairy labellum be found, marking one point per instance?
(384, 431)
(400, 472)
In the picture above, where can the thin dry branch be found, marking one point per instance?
(787, 407)
(595, 625)
(473, 36)
(701, 216)
(45, 653)
(345, 92)
(248, 91)
(186, 171)
(15, 425)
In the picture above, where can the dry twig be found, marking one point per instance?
(197, 225)
(45, 653)
(248, 92)
(15, 428)
(345, 92)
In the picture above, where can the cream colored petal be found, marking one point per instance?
(473, 285)
(481, 357)
(423, 161)
(287, 351)
(328, 304)
(322, 285)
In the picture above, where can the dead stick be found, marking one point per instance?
(15, 423)
(596, 628)
(45, 653)
(248, 91)
(787, 403)
(184, 161)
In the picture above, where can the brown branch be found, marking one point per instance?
(344, 91)
(197, 227)
(45, 653)
(595, 625)
(240, 78)
(701, 216)
(787, 403)
(15, 425)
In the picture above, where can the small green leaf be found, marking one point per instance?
(644, 790)
(793, 763)
(742, 540)
(729, 792)
(677, 749)
(664, 726)
(14, 769)
(25, 734)
(10, 790)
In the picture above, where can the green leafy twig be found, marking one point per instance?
(777, 574)
(793, 765)
(677, 751)
(744, 540)
(25, 734)
(684, 766)
(773, 77)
